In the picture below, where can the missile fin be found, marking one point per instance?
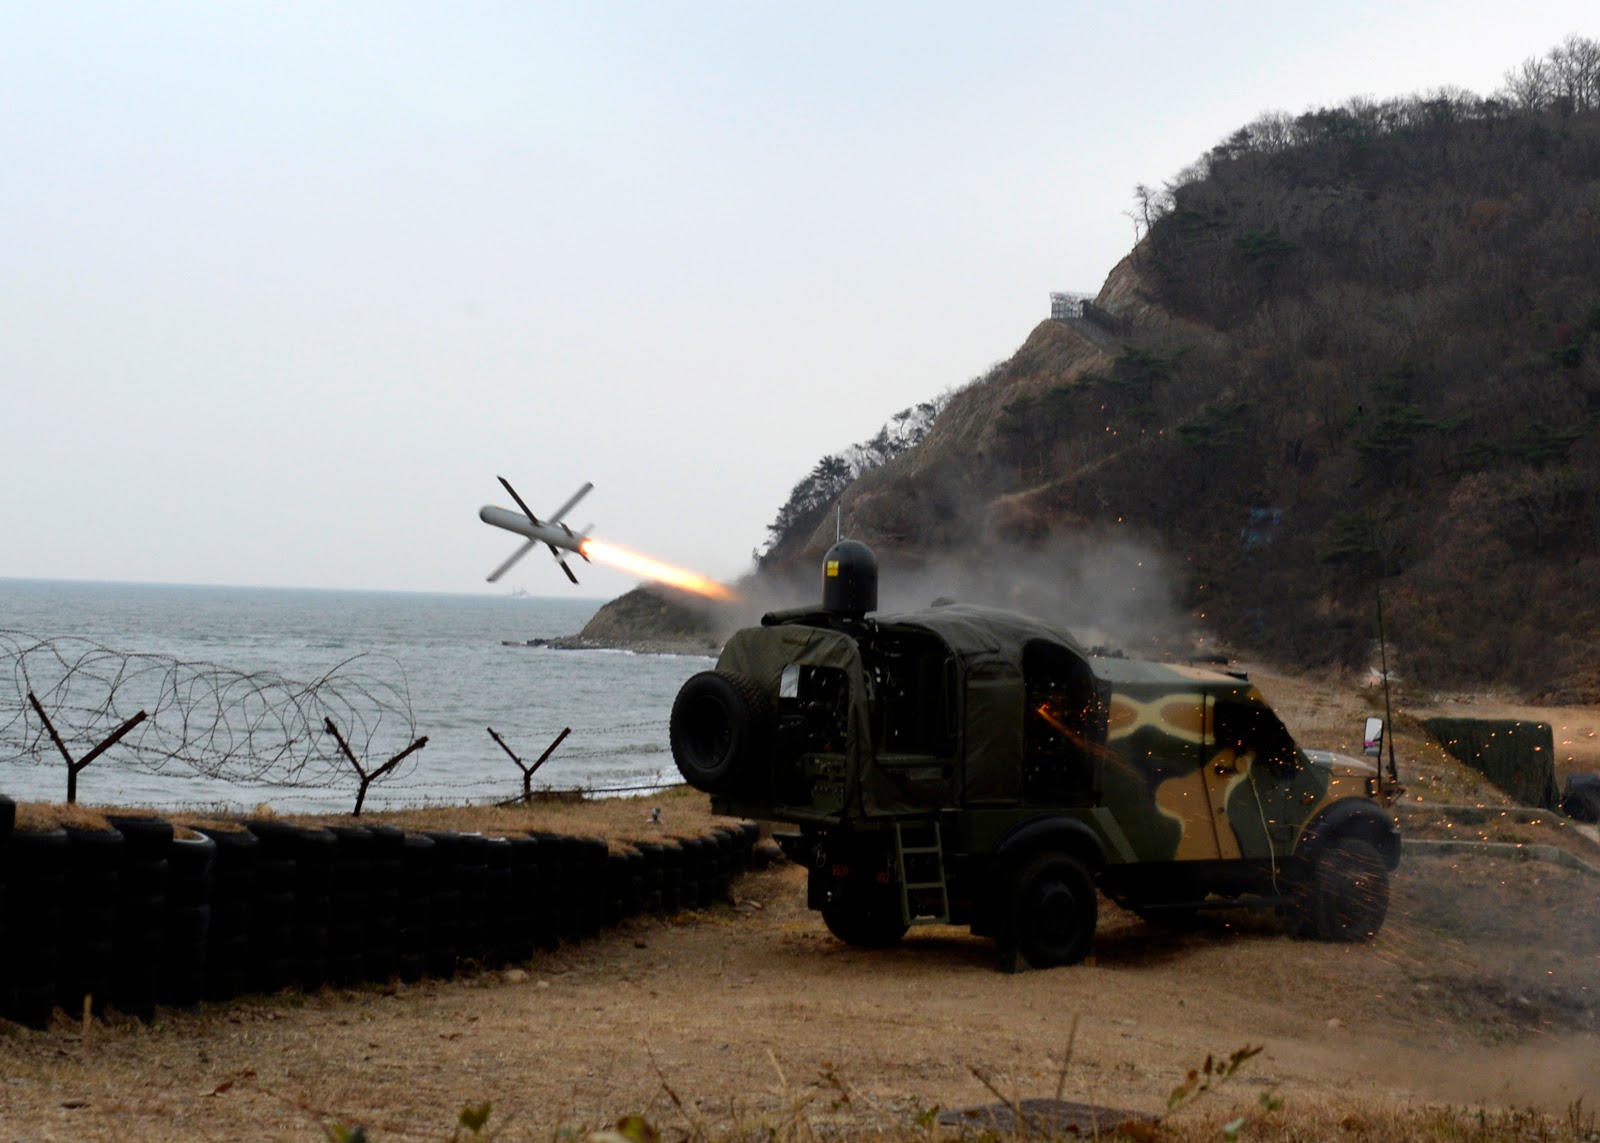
(526, 511)
(513, 558)
(555, 517)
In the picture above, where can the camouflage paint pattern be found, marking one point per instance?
(1165, 788)
(1180, 795)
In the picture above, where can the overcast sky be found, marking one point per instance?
(283, 287)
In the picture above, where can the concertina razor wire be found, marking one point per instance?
(246, 728)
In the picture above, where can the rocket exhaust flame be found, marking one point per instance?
(556, 536)
(646, 568)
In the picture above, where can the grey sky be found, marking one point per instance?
(285, 286)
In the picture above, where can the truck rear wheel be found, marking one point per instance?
(866, 922)
(1052, 911)
(1346, 895)
(721, 722)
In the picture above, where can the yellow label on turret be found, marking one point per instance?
(832, 569)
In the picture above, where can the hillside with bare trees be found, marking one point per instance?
(1363, 361)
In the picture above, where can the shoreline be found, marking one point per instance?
(704, 649)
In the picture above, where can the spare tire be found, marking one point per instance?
(721, 725)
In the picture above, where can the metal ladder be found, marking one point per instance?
(928, 854)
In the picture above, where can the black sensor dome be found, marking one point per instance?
(850, 579)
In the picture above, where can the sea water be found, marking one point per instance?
(461, 663)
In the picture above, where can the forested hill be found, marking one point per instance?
(1364, 349)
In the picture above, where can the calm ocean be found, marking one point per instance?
(446, 651)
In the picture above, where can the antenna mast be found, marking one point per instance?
(1383, 660)
(1383, 647)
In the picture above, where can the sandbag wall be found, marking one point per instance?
(134, 916)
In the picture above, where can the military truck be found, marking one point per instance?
(965, 765)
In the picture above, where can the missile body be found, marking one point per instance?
(553, 534)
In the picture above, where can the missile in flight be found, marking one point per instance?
(550, 532)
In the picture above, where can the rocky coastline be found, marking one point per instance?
(638, 646)
(645, 621)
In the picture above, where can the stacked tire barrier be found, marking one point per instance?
(35, 880)
(229, 964)
(91, 891)
(139, 929)
(141, 914)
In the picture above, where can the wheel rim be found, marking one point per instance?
(709, 731)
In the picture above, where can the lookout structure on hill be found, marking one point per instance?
(1094, 322)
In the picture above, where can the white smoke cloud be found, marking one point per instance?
(1111, 590)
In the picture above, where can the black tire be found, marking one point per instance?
(615, 893)
(414, 909)
(191, 870)
(186, 942)
(524, 890)
(499, 909)
(29, 953)
(574, 888)
(1051, 911)
(380, 959)
(544, 890)
(633, 885)
(350, 921)
(721, 724)
(591, 912)
(1582, 800)
(444, 905)
(870, 921)
(137, 965)
(749, 834)
(458, 901)
(1346, 892)
(90, 886)
(696, 893)
(652, 860)
(144, 838)
(233, 891)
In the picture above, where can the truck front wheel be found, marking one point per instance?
(1345, 896)
(1052, 911)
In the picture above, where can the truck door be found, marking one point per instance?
(1155, 780)
(1250, 761)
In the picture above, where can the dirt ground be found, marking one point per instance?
(1483, 989)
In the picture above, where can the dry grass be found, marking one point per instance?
(34, 817)
(1361, 1122)
(618, 821)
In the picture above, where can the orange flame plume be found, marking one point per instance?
(650, 569)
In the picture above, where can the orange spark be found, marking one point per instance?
(646, 568)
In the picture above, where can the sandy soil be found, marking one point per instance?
(1483, 989)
